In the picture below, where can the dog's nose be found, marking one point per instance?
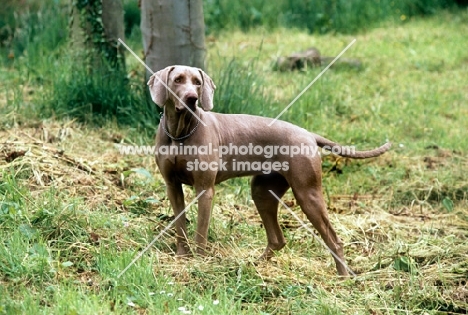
(190, 100)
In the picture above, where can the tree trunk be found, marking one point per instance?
(99, 82)
(173, 33)
(95, 27)
(113, 22)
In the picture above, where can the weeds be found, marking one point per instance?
(241, 90)
(96, 98)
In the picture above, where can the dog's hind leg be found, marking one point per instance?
(313, 205)
(267, 206)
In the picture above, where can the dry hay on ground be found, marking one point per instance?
(68, 158)
(85, 163)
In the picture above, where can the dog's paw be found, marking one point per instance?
(183, 252)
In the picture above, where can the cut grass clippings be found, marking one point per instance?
(74, 212)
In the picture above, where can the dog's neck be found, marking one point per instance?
(179, 124)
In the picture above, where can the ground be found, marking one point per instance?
(74, 211)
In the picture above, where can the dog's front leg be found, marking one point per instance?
(176, 197)
(204, 215)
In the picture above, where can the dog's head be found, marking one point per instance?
(182, 85)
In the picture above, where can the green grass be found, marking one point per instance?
(341, 16)
(74, 213)
(38, 53)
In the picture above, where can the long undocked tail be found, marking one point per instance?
(344, 152)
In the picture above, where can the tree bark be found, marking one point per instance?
(173, 33)
(113, 22)
(95, 27)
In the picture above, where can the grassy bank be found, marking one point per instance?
(74, 212)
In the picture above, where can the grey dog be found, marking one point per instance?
(179, 89)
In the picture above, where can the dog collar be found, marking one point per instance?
(177, 138)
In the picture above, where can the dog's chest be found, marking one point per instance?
(175, 168)
(175, 163)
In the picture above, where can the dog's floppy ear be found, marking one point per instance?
(208, 88)
(159, 93)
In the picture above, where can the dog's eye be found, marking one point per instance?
(196, 82)
(178, 80)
